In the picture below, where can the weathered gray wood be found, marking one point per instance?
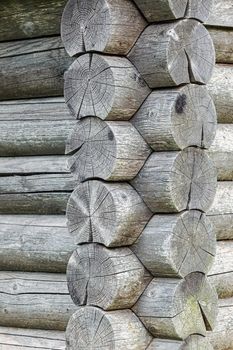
(34, 243)
(164, 10)
(221, 14)
(107, 26)
(108, 150)
(221, 89)
(173, 119)
(112, 214)
(31, 339)
(223, 43)
(176, 308)
(175, 181)
(36, 71)
(176, 245)
(194, 342)
(104, 86)
(174, 53)
(222, 336)
(94, 328)
(108, 278)
(221, 212)
(34, 300)
(221, 274)
(221, 152)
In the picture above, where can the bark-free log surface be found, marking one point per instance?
(34, 300)
(223, 43)
(221, 14)
(160, 10)
(31, 339)
(108, 150)
(93, 328)
(34, 243)
(194, 342)
(176, 245)
(176, 308)
(174, 53)
(173, 119)
(104, 86)
(112, 214)
(110, 26)
(108, 278)
(175, 181)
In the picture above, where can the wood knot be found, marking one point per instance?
(181, 102)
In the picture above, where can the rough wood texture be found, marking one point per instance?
(176, 308)
(221, 89)
(221, 212)
(108, 278)
(221, 152)
(221, 274)
(222, 336)
(176, 245)
(173, 119)
(31, 339)
(110, 26)
(93, 328)
(221, 14)
(194, 342)
(175, 181)
(104, 86)
(223, 43)
(20, 234)
(34, 69)
(34, 300)
(174, 53)
(112, 214)
(107, 150)
(164, 10)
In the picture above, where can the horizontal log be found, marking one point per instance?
(111, 87)
(222, 336)
(107, 26)
(174, 53)
(111, 279)
(194, 342)
(110, 151)
(176, 308)
(34, 300)
(176, 181)
(173, 119)
(223, 43)
(221, 14)
(97, 329)
(31, 339)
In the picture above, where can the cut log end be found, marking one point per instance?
(179, 53)
(91, 329)
(110, 214)
(108, 278)
(104, 25)
(177, 245)
(194, 342)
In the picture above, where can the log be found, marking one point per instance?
(160, 10)
(36, 71)
(176, 308)
(112, 214)
(106, 26)
(175, 53)
(108, 278)
(31, 339)
(176, 181)
(223, 43)
(110, 151)
(221, 14)
(222, 336)
(176, 245)
(221, 89)
(94, 328)
(30, 18)
(34, 300)
(173, 119)
(194, 342)
(111, 88)
(221, 212)
(20, 234)
(221, 152)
